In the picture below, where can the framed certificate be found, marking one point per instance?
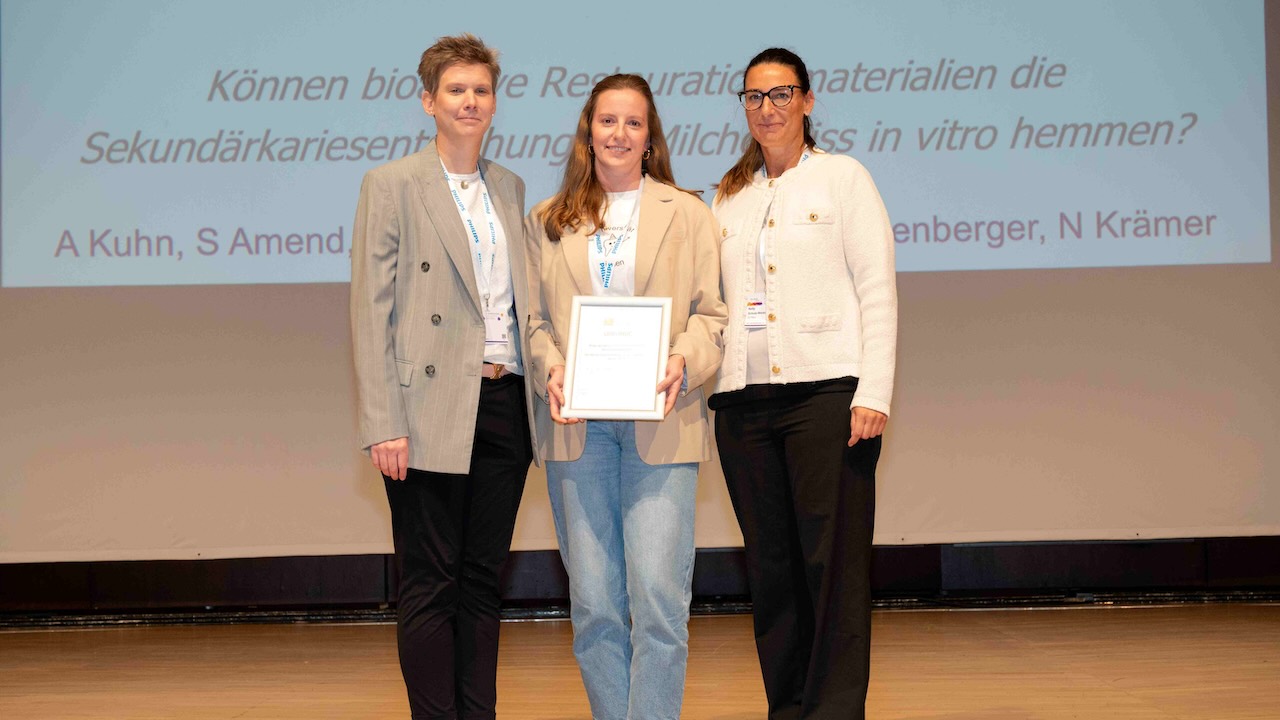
(617, 355)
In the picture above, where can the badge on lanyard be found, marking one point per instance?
(495, 328)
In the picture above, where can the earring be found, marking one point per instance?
(591, 150)
(647, 152)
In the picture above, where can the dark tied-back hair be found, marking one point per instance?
(580, 199)
(739, 176)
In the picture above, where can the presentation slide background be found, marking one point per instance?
(1068, 404)
(121, 69)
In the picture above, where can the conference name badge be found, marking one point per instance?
(495, 328)
(756, 312)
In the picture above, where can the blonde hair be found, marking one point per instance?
(581, 197)
(450, 50)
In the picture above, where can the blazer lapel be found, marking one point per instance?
(574, 247)
(508, 213)
(500, 190)
(443, 212)
(656, 212)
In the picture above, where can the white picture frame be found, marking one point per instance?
(616, 356)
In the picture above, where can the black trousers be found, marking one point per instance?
(452, 534)
(806, 505)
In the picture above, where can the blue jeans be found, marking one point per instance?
(626, 538)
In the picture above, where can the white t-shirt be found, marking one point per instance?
(611, 250)
(492, 265)
(758, 359)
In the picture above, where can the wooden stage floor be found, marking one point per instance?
(1211, 662)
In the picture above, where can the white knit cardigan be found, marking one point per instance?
(830, 283)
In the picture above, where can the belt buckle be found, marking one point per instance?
(497, 370)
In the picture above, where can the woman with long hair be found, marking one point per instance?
(622, 492)
(805, 389)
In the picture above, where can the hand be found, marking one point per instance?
(391, 457)
(555, 396)
(865, 424)
(672, 382)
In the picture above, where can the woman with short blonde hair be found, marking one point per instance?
(437, 272)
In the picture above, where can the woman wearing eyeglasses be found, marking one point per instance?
(622, 492)
(805, 386)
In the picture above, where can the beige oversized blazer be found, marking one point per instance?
(677, 256)
(417, 322)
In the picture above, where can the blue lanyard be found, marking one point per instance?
(606, 266)
(482, 277)
(808, 153)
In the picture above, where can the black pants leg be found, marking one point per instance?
(452, 534)
(806, 505)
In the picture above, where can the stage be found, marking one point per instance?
(1183, 662)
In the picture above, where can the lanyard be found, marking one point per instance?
(605, 266)
(483, 276)
(805, 155)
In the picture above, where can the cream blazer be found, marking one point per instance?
(677, 256)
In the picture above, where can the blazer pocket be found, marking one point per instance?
(821, 323)
(405, 368)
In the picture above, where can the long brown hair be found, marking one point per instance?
(581, 197)
(739, 176)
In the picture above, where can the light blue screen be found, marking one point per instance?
(149, 143)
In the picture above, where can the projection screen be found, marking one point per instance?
(1083, 226)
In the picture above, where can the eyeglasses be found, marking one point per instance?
(780, 96)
